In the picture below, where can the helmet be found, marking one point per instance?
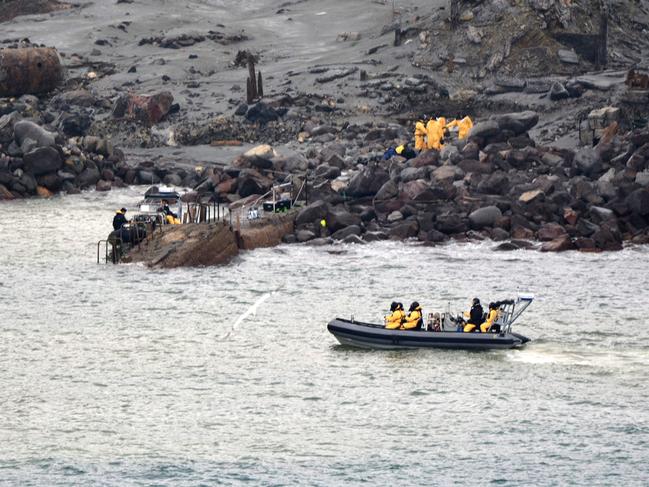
(394, 306)
(476, 301)
(414, 306)
(400, 306)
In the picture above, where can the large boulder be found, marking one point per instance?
(311, 213)
(26, 130)
(7, 123)
(343, 233)
(588, 161)
(416, 190)
(484, 129)
(559, 244)
(496, 183)
(367, 181)
(388, 191)
(251, 182)
(519, 122)
(43, 160)
(550, 231)
(638, 201)
(405, 229)
(448, 173)
(413, 173)
(149, 109)
(262, 113)
(338, 218)
(88, 177)
(485, 217)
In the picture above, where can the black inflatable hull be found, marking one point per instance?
(367, 335)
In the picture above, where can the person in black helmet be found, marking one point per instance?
(119, 220)
(476, 316)
(414, 320)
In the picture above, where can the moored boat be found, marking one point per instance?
(441, 331)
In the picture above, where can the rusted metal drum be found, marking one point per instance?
(29, 70)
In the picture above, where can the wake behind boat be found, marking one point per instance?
(441, 331)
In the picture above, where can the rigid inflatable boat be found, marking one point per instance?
(440, 331)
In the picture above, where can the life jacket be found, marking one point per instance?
(416, 317)
(476, 316)
(491, 319)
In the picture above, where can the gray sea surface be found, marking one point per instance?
(122, 375)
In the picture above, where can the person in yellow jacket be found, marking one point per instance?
(435, 133)
(420, 136)
(394, 319)
(464, 127)
(414, 320)
(491, 319)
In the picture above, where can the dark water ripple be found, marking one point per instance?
(126, 376)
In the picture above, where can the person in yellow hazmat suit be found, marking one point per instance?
(435, 133)
(394, 319)
(491, 319)
(464, 126)
(414, 320)
(420, 136)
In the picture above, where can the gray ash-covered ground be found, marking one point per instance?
(340, 87)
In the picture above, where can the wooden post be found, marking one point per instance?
(455, 14)
(260, 86)
(602, 50)
(249, 97)
(253, 78)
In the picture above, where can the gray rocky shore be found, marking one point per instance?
(521, 176)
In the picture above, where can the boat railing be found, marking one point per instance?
(115, 253)
(513, 310)
(204, 213)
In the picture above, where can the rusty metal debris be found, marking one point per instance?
(29, 70)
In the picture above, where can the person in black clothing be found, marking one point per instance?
(166, 210)
(119, 220)
(476, 315)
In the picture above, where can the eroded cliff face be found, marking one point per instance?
(201, 244)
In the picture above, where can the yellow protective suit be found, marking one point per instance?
(412, 320)
(435, 133)
(393, 321)
(464, 126)
(469, 327)
(420, 136)
(400, 149)
(491, 319)
(172, 221)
